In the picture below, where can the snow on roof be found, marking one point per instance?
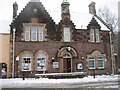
(103, 27)
(81, 20)
(4, 26)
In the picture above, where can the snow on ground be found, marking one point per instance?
(74, 80)
(28, 81)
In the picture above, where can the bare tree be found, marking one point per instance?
(108, 17)
(112, 20)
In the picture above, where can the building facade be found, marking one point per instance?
(41, 46)
(5, 55)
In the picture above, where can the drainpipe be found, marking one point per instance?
(13, 53)
(112, 53)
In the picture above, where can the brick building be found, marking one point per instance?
(42, 46)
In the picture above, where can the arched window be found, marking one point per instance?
(41, 62)
(26, 62)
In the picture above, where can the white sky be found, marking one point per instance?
(54, 6)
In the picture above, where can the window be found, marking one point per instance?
(94, 35)
(66, 34)
(40, 29)
(97, 35)
(41, 62)
(34, 33)
(100, 62)
(27, 33)
(26, 62)
(91, 62)
(96, 60)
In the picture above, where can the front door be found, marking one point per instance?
(66, 65)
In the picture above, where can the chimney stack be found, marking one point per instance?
(92, 9)
(65, 10)
(15, 8)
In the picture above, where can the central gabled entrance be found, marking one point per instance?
(67, 63)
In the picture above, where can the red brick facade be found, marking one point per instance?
(80, 47)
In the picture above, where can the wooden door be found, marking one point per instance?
(69, 65)
(66, 65)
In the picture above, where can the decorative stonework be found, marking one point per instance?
(66, 49)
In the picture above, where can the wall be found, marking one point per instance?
(4, 51)
(53, 47)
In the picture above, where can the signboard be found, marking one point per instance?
(79, 66)
(55, 65)
(17, 58)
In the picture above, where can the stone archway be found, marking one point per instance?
(65, 49)
(66, 55)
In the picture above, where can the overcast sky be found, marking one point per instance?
(54, 6)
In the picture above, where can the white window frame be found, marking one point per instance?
(27, 32)
(97, 36)
(41, 56)
(92, 35)
(40, 33)
(35, 34)
(101, 60)
(33, 31)
(25, 56)
(92, 60)
(67, 34)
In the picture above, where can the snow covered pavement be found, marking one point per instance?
(45, 82)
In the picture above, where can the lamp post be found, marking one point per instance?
(13, 52)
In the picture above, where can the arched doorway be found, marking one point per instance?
(67, 63)
(67, 56)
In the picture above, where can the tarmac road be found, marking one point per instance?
(113, 84)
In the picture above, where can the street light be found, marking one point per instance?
(13, 52)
